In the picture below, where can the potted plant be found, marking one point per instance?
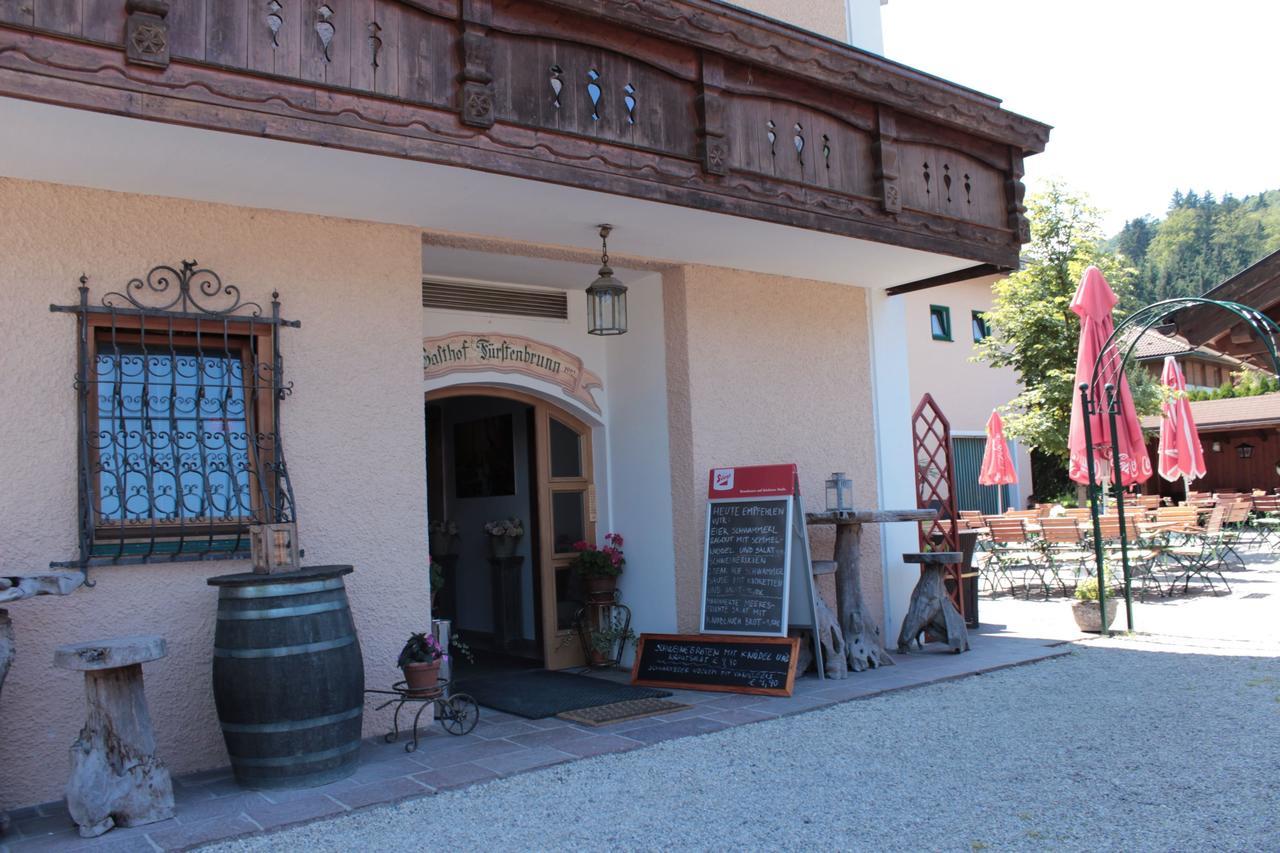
(441, 535)
(504, 536)
(607, 643)
(599, 567)
(420, 662)
(1085, 608)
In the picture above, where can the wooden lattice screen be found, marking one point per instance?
(936, 486)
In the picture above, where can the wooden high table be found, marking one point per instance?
(864, 644)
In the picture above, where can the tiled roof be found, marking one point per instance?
(1153, 345)
(1261, 410)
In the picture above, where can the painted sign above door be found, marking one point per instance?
(471, 352)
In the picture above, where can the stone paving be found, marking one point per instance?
(212, 807)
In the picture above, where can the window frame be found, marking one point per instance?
(943, 314)
(976, 321)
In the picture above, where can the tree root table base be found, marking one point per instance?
(931, 609)
(860, 637)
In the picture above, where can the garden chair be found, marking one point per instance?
(1236, 529)
(1013, 552)
(1201, 555)
(1266, 520)
(1065, 554)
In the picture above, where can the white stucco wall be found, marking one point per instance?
(352, 430)
(967, 391)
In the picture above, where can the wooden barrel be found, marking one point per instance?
(288, 678)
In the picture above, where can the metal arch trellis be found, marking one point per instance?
(175, 386)
(1107, 369)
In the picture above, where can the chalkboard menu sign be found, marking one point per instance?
(747, 554)
(763, 665)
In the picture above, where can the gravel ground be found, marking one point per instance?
(1128, 745)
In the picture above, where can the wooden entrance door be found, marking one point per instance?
(565, 512)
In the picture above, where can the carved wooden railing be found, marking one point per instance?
(683, 101)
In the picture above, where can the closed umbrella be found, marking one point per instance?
(1093, 304)
(997, 465)
(1181, 454)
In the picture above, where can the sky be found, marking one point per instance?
(1145, 96)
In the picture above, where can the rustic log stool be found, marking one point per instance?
(116, 778)
(931, 608)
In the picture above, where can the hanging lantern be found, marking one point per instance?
(839, 493)
(606, 297)
(1245, 450)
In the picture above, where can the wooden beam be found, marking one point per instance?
(966, 274)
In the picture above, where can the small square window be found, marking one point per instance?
(940, 322)
(981, 329)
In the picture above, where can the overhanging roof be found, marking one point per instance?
(1258, 287)
(1232, 413)
(683, 102)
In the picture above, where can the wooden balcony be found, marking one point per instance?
(686, 102)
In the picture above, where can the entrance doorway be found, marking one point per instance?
(496, 454)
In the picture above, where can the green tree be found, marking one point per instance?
(1033, 328)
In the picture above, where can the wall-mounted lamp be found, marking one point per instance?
(1217, 447)
(606, 297)
(1245, 450)
(839, 493)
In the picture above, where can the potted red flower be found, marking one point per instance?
(420, 662)
(599, 567)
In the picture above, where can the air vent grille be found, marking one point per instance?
(496, 299)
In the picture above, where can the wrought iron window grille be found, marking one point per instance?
(178, 385)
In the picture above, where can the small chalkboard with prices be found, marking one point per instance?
(763, 665)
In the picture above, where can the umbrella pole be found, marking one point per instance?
(1093, 507)
(1119, 486)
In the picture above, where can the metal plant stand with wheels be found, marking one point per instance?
(458, 713)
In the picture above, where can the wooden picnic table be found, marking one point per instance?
(864, 644)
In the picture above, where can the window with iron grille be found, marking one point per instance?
(179, 384)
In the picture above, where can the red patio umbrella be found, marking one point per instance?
(1181, 454)
(997, 465)
(1093, 304)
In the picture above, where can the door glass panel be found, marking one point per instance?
(566, 451)
(568, 598)
(568, 519)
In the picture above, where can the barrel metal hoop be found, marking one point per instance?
(282, 612)
(291, 725)
(273, 590)
(285, 651)
(291, 760)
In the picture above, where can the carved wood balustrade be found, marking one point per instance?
(682, 101)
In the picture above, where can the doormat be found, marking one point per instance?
(537, 694)
(620, 712)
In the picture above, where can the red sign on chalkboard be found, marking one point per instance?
(752, 481)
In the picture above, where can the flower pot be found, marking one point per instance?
(441, 544)
(1088, 616)
(598, 658)
(421, 678)
(501, 547)
(601, 589)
